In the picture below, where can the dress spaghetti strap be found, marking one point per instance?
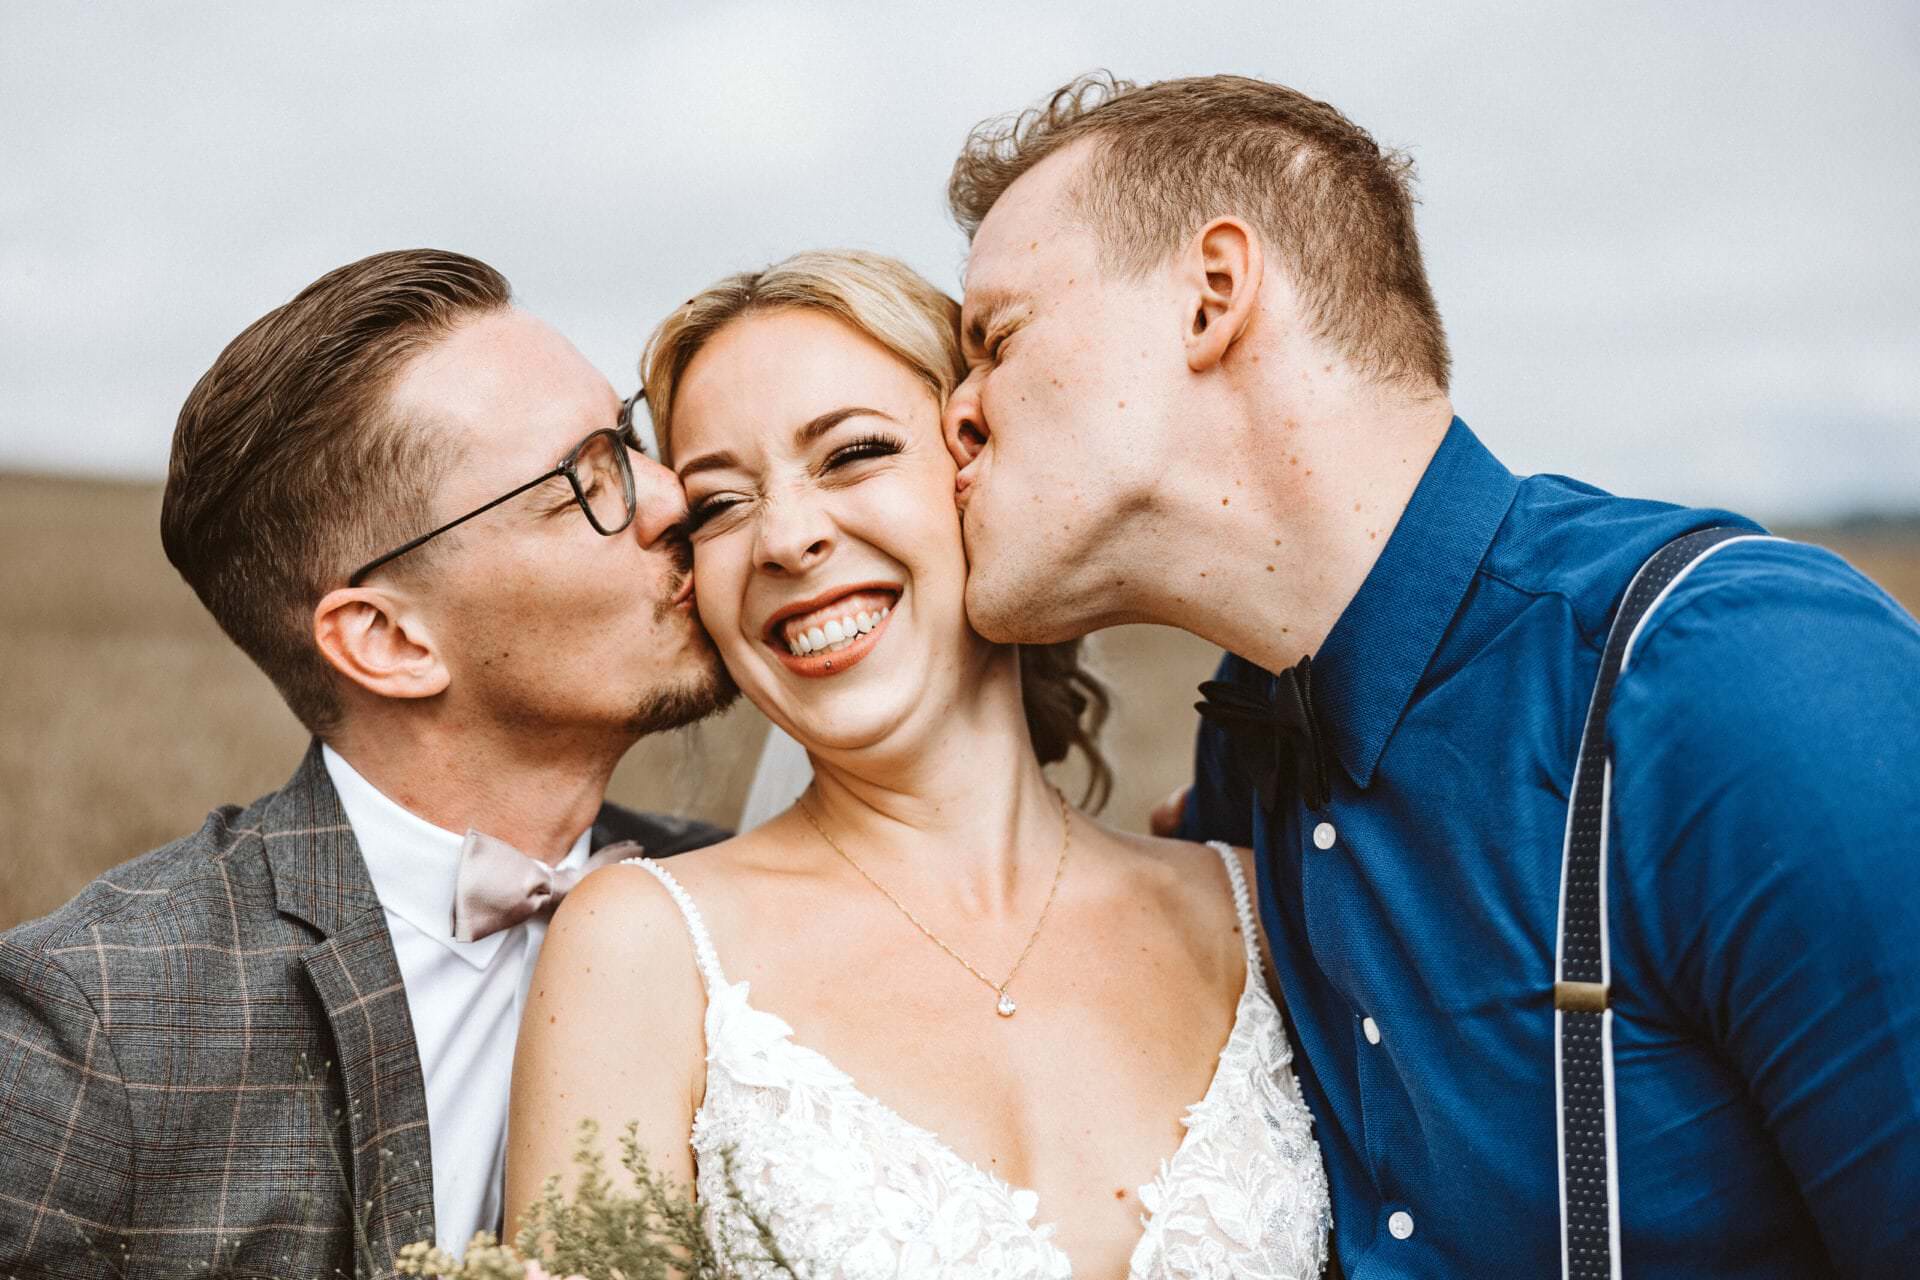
(1242, 904)
(703, 952)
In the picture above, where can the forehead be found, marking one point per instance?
(509, 388)
(1033, 228)
(773, 370)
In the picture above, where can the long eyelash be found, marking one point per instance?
(868, 446)
(703, 511)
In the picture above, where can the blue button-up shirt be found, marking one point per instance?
(1763, 881)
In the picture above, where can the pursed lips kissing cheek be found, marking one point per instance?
(828, 634)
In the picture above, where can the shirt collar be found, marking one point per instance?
(413, 863)
(1366, 672)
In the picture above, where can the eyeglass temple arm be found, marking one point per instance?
(360, 574)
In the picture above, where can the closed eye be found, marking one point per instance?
(707, 508)
(560, 495)
(868, 446)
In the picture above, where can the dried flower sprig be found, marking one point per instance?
(656, 1231)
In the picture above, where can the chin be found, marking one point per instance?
(706, 691)
(1003, 611)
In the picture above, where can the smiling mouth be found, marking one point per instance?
(831, 624)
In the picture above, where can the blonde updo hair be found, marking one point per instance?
(896, 307)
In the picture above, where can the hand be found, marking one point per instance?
(1164, 821)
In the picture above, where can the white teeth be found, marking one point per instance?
(835, 634)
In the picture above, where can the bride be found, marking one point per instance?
(937, 1021)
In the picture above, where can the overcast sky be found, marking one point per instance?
(1674, 245)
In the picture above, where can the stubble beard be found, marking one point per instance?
(706, 692)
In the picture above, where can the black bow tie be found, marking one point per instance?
(1273, 733)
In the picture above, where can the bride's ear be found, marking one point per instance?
(1221, 271)
(376, 639)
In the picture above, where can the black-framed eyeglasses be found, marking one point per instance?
(598, 470)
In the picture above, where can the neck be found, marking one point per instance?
(1267, 539)
(534, 792)
(954, 806)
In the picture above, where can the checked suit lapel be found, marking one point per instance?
(319, 877)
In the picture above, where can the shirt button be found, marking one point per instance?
(1324, 835)
(1371, 1029)
(1400, 1225)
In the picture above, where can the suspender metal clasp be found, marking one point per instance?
(1580, 997)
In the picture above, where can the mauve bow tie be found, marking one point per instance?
(1270, 732)
(499, 886)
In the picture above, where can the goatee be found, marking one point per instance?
(707, 693)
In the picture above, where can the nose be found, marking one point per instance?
(792, 535)
(964, 425)
(659, 503)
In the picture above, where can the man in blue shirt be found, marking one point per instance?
(1208, 389)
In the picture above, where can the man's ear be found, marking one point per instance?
(374, 639)
(1223, 268)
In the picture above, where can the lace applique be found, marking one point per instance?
(853, 1189)
(1245, 1195)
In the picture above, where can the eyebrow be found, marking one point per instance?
(808, 432)
(989, 310)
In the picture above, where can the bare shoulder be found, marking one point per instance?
(612, 1032)
(643, 914)
(1189, 861)
(619, 952)
(1182, 872)
(621, 912)
(617, 996)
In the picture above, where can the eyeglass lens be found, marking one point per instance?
(605, 481)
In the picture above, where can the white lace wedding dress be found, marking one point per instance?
(853, 1191)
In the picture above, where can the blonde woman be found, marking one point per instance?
(939, 1021)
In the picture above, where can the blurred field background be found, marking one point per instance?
(125, 714)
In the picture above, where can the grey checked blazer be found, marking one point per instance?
(206, 1062)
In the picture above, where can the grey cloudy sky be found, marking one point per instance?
(1674, 244)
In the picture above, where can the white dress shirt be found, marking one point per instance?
(465, 998)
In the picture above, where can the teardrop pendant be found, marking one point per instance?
(1006, 1008)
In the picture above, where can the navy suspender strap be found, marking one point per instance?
(1582, 1019)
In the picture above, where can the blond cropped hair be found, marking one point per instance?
(1169, 157)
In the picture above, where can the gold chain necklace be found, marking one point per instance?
(1005, 1007)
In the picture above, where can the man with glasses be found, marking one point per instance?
(282, 1045)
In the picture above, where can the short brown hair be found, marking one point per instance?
(288, 468)
(890, 302)
(1173, 155)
